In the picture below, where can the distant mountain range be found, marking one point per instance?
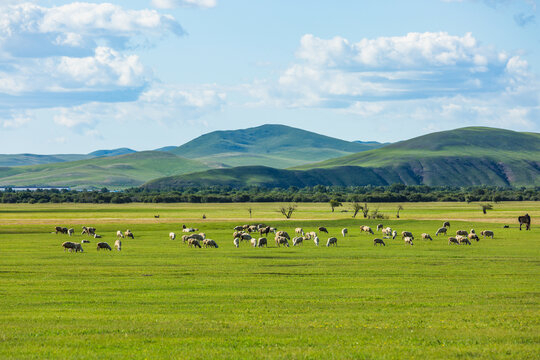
(278, 146)
(34, 159)
(462, 157)
(259, 156)
(269, 145)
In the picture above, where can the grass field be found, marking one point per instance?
(160, 299)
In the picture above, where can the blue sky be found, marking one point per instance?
(81, 76)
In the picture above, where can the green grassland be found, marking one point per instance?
(158, 298)
(115, 172)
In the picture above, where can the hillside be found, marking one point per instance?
(35, 159)
(278, 146)
(114, 172)
(462, 157)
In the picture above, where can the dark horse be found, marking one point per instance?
(525, 220)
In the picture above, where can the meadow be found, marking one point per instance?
(158, 298)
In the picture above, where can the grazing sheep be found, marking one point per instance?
(254, 242)
(366, 229)
(245, 237)
(262, 242)
(378, 241)
(452, 240)
(70, 246)
(316, 240)
(119, 234)
(84, 230)
(185, 238)
(426, 236)
(446, 224)
(264, 230)
(253, 228)
(387, 231)
(323, 229)
(394, 234)
(238, 228)
(128, 233)
(203, 235)
(297, 240)
(273, 229)
(313, 234)
(236, 242)
(525, 220)
(85, 241)
(344, 232)
(283, 234)
(88, 230)
(299, 231)
(379, 227)
(210, 243)
(408, 240)
(472, 231)
(186, 230)
(71, 231)
(96, 236)
(307, 236)
(487, 233)
(331, 241)
(172, 236)
(462, 240)
(281, 240)
(61, 230)
(473, 236)
(441, 231)
(194, 242)
(103, 245)
(405, 234)
(237, 234)
(462, 232)
(198, 237)
(118, 244)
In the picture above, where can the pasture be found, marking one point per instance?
(158, 298)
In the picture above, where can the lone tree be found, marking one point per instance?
(399, 208)
(334, 203)
(287, 211)
(486, 207)
(365, 210)
(356, 207)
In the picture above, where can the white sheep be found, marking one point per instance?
(71, 231)
(426, 236)
(172, 236)
(254, 242)
(299, 231)
(379, 227)
(281, 240)
(297, 240)
(119, 234)
(236, 242)
(387, 231)
(344, 232)
(118, 244)
(408, 240)
(405, 234)
(394, 234)
(316, 240)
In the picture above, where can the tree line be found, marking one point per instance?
(397, 193)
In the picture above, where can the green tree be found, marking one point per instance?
(334, 203)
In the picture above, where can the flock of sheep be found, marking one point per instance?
(244, 233)
(91, 231)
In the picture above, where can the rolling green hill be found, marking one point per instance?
(114, 172)
(34, 159)
(462, 157)
(278, 146)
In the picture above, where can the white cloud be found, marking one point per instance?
(160, 103)
(170, 4)
(337, 72)
(30, 30)
(106, 70)
(16, 120)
